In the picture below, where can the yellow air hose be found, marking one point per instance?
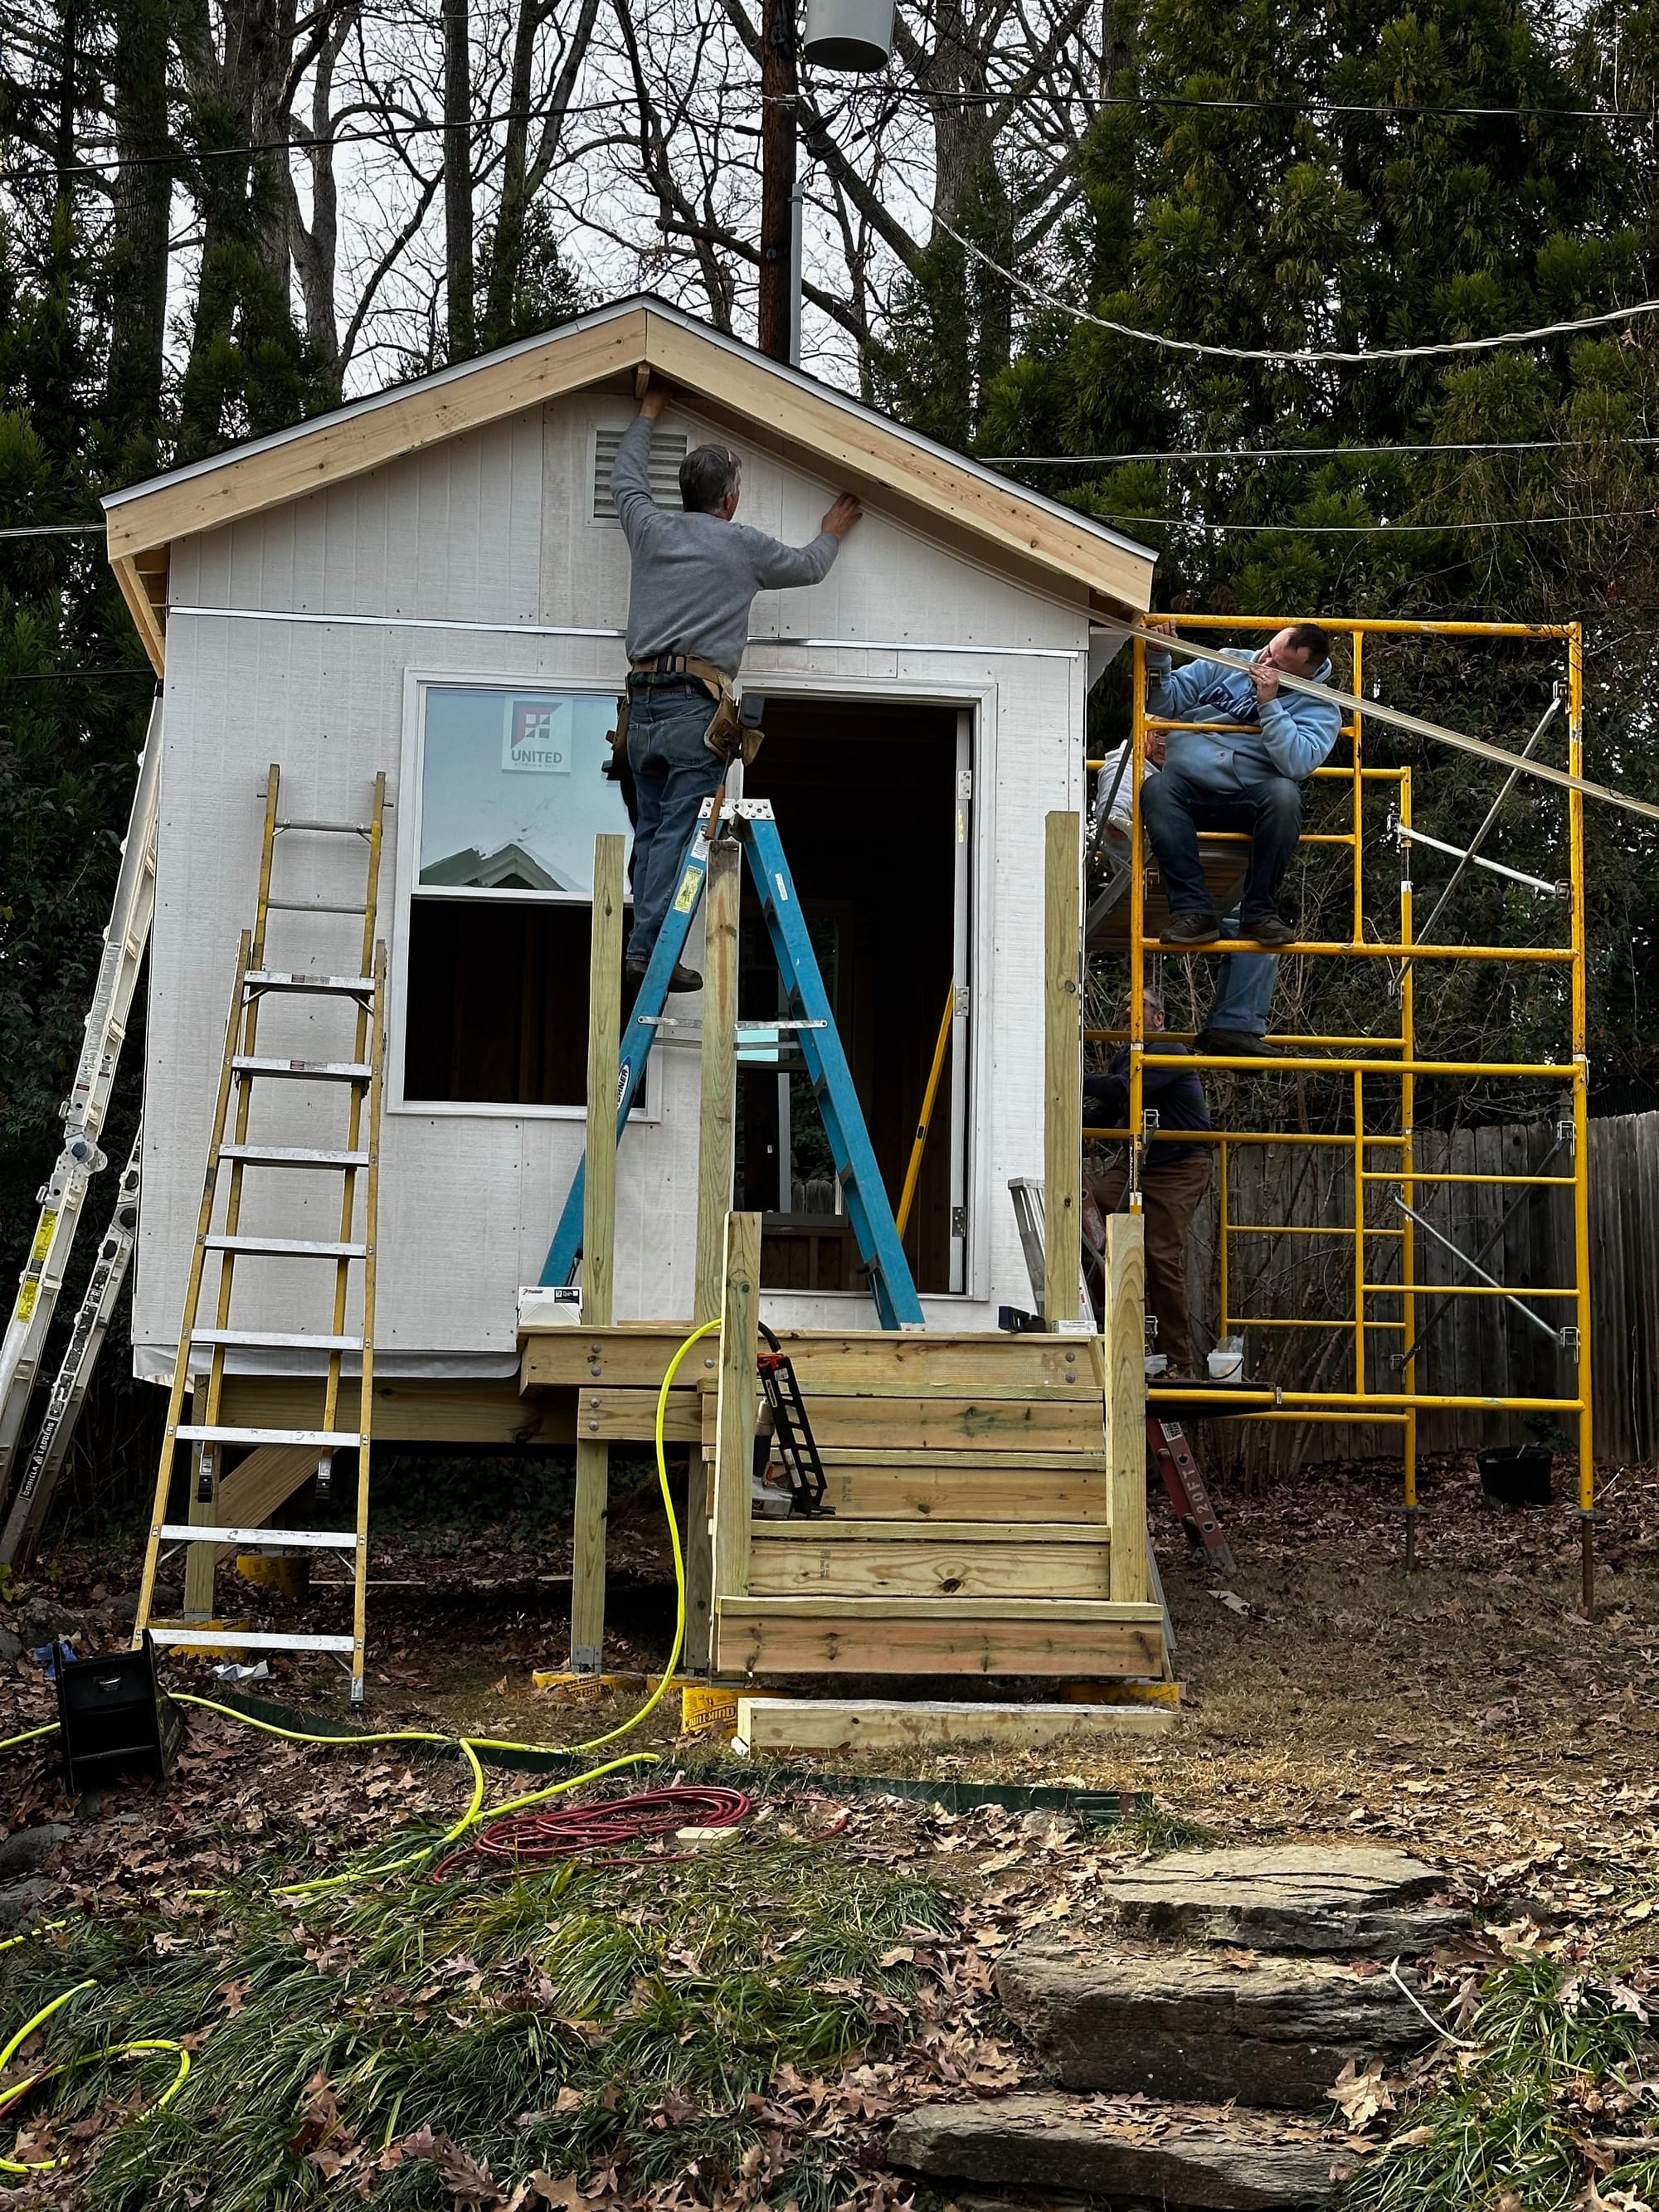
(470, 1746)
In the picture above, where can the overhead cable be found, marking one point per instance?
(1300, 355)
(56, 530)
(185, 158)
(1306, 453)
(1386, 529)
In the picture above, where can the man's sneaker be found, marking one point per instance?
(1235, 1044)
(682, 978)
(1267, 927)
(1190, 929)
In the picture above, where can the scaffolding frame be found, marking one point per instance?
(1380, 1156)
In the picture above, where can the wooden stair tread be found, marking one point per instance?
(872, 1528)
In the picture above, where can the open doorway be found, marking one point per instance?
(867, 797)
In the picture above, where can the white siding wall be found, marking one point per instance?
(495, 529)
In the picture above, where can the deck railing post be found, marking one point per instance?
(598, 1242)
(1062, 1104)
(1124, 1321)
(734, 1426)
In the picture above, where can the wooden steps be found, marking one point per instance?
(983, 1521)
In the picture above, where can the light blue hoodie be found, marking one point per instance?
(1293, 734)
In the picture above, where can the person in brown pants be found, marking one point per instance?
(1175, 1179)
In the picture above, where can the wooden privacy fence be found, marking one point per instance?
(1466, 1345)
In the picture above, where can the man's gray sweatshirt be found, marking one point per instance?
(696, 575)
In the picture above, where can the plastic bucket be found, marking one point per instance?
(1515, 1474)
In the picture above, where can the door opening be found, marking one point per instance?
(869, 803)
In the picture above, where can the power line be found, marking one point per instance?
(74, 675)
(1301, 356)
(1300, 453)
(56, 530)
(186, 158)
(1372, 529)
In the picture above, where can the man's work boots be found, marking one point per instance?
(1190, 929)
(1267, 927)
(682, 978)
(1234, 1044)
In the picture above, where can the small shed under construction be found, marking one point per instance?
(424, 593)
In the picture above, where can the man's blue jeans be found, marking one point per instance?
(1245, 987)
(673, 772)
(1175, 810)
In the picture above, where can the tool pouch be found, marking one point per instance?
(725, 735)
(615, 766)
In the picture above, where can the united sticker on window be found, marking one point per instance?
(538, 737)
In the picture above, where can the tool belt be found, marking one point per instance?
(676, 666)
(725, 736)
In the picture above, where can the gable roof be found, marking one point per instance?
(956, 501)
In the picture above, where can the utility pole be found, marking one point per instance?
(458, 175)
(778, 155)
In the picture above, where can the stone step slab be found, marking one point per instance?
(1274, 2032)
(1338, 1900)
(1197, 2159)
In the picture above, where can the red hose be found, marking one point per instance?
(574, 1831)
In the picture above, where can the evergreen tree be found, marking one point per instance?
(1288, 223)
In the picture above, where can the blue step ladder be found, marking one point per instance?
(751, 821)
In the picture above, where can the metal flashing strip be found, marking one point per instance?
(570, 630)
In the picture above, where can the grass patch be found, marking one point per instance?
(1155, 1829)
(567, 2019)
(1547, 2071)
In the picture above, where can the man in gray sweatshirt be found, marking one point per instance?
(694, 577)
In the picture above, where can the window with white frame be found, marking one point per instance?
(512, 793)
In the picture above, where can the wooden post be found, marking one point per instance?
(716, 1133)
(598, 1242)
(1062, 1069)
(1124, 1313)
(735, 1427)
(717, 1130)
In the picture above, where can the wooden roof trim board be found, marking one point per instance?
(954, 498)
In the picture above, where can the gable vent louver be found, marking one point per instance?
(668, 449)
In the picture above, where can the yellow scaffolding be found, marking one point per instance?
(1393, 1059)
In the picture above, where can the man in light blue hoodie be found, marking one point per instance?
(1248, 778)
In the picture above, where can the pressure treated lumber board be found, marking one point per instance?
(717, 1071)
(733, 1405)
(876, 1363)
(626, 1356)
(630, 1416)
(935, 1636)
(415, 1410)
(1062, 1067)
(265, 1478)
(987, 518)
(932, 1488)
(929, 1424)
(879, 1528)
(327, 452)
(1125, 1402)
(884, 1363)
(772, 1724)
(917, 1566)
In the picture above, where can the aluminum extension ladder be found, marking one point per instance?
(243, 1071)
(751, 821)
(63, 1194)
(52, 1439)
